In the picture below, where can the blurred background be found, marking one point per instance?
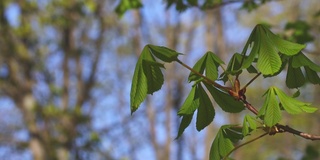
(66, 69)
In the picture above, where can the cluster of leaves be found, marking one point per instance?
(182, 5)
(264, 53)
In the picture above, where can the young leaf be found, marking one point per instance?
(292, 105)
(269, 62)
(206, 111)
(300, 60)
(185, 122)
(266, 46)
(312, 76)
(249, 124)
(285, 47)
(163, 53)
(222, 143)
(295, 77)
(139, 87)
(209, 63)
(225, 101)
(212, 64)
(199, 67)
(154, 75)
(272, 112)
(190, 104)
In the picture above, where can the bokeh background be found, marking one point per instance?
(66, 69)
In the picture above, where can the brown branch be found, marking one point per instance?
(286, 128)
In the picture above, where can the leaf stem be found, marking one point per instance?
(254, 78)
(207, 80)
(241, 145)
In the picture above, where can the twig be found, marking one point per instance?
(241, 145)
(288, 129)
(254, 78)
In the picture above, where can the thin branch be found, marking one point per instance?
(207, 80)
(286, 128)
(254, 78)
(241, 145)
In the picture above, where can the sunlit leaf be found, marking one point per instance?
(249, 124)
(300, 60)
(272, 112)
(269, 61)
(265, 46)
(154, 75)
(206, 111)
(291, 105)
(212, 64)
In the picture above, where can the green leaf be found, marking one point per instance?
(212, 64)
(163, 53)
(154, 75)
(300, 60)
(206, 111)
(269, 62)
(265, 46)
(147, 78)
(190, 104)
(272, 112)
(126, 5)
(185, 122)
(312, 76)
(225, 101)
(139, 87)
(249, 124)
(223, 142)
(296, 94)
(214, 150)
(295, 77)
(209, 63)
(285, 47)
(291, 105)
(199, 67)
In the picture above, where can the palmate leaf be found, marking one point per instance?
(147, 77)
(163, 53)
(209, 63)
(295, 77)
(225, 101)
(272, 111)
(187, 109)
(139, 86)
(223, 142)
(234, 67)
(206, 111)
(265, 46)
(291, 105)
(191, 103)
(249, 125)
